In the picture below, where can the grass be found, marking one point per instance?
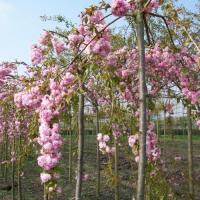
(180, 137)
(175, 172)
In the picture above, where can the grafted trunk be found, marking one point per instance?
(80, 148)
(190, 155)
(142, 106)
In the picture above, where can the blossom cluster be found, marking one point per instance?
(103, 144)
(49, 137)
(30, 98)
(122, 7)
(93, 42)
(152, 151)
(198, 123)
(133, 141)
(116, 130)
(46, 40)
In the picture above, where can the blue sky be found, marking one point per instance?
(21, 25)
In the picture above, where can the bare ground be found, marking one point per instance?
(175, 174)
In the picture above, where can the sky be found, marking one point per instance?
(21, 25)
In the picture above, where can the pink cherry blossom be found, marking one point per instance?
(120, 7)
(45, 177)
(36, 55)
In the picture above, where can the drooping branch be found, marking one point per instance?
(77, 56)
(56, 33)
(20, 63)
(163, 18)
(192, 40)
(147, 4)
(147, 29)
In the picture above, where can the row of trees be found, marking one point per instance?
(121, 77)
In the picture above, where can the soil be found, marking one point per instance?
(175, 173)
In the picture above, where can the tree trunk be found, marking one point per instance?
(2, 157)
(80, 148)
(116, 172)
(70, 149)
(19, 169)
(157, 126)
(164, 121)
(6, 159)
(45, 193)
(190, 155)
(142, 106)
(13, 169)
(98, 155)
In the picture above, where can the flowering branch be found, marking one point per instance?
(146, 28)
(163, 18)
(56, 33)
(195, 44)
(77, 56)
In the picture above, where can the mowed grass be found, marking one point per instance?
(180, 137)
(176, 173)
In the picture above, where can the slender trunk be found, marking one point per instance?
(19, 169)
(6, 159)
(2, 157)
(164, 130)
(171, 128)
(45, 193)
(70, 149)
(80, 148)
(157, 126)
(183, 129)
(13, 169)
(142, 106)
(190, 155)
(116, 172)
(98, 155)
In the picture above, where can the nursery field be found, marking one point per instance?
(105, 105)
(174, 172)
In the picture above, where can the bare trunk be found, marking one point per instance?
(116, 172)
(183, 125)
(13, 169)
(98, 155)
(157, 127)
(80, 148)
(142, 96)
(19, 169)
(190, 155)
(70, 149)
(164, 121)
(45, 193)
(2, 158)
(6, 158)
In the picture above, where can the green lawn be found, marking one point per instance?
(174, 172)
